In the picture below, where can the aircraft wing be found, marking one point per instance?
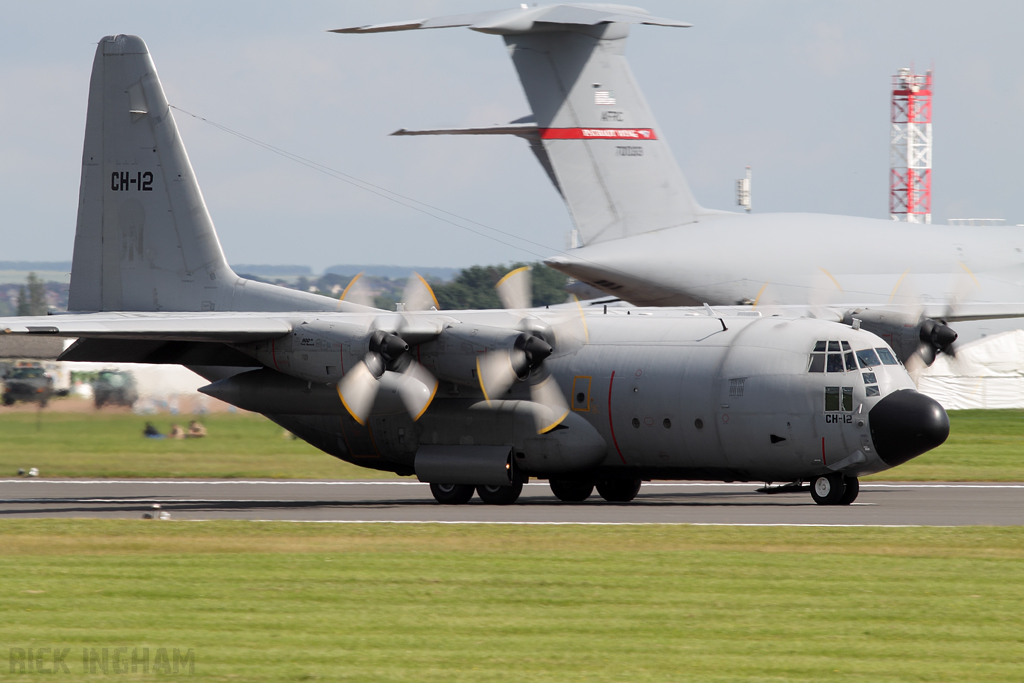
(197, 327)
(950, 313)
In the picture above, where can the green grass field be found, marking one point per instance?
(307, 602)
(111, 445)
(984, 445)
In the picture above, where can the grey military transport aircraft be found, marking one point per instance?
(469, 401)
(644, 239)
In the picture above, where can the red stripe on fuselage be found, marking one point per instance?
(611, 427)
(598, 134)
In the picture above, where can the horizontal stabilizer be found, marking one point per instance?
(525, 19)
(526, 130)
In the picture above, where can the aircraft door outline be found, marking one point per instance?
(581, 387)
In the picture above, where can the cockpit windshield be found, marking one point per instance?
(868, 358)
(887, 357)
(838, 356)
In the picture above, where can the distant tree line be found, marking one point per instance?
(32, 301)
(472, 287)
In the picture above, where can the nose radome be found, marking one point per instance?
(906, 424)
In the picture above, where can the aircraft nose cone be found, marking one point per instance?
(906, 424)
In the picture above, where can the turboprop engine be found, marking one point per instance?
(911, 336)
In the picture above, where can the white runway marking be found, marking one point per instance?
(287, 482)
(492, 523)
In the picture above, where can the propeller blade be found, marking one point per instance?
(515, 290)
(548, 394)
(496, 372)
(417, 389)
(570, 332)
(357, 292)
(823, 293)
(418, 296)
(358, 389)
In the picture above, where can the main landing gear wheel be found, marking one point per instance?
(829, 489)
(619, 490)
(452, 494)
(852, 489)
(500, 495)
(571, 491)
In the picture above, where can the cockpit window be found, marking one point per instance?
(817, 362)
(835, 361)
(867, 358)
(839, 357)
(887, 357)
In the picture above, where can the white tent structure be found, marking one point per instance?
(987, 373)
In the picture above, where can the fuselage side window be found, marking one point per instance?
(838, 399)
(831, 399)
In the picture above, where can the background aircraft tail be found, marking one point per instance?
(591, 128)
(144, 239)
(613, 166)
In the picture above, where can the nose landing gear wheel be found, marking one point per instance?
(452, 494)
(500, 495)
(619, 490)
(571, 491)
(829, 489)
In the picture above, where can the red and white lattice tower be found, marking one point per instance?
(910, 151)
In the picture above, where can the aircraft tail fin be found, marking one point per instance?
(609, 158)
(614, 168)
(144, 240)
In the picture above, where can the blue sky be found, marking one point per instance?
(799, 90)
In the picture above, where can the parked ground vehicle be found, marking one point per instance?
(28, 384)
(115, 387)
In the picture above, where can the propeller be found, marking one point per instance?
(388, 352)
(523, 360)
(936, 337)
(357, 292)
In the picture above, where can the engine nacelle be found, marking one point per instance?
(453, 355)
(907, 334)
(315, 351)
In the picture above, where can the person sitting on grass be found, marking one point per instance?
(151, 432)
(196, 430)
(176, 432)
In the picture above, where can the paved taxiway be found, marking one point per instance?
(903, 503)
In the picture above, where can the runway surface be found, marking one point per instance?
(889, 504)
